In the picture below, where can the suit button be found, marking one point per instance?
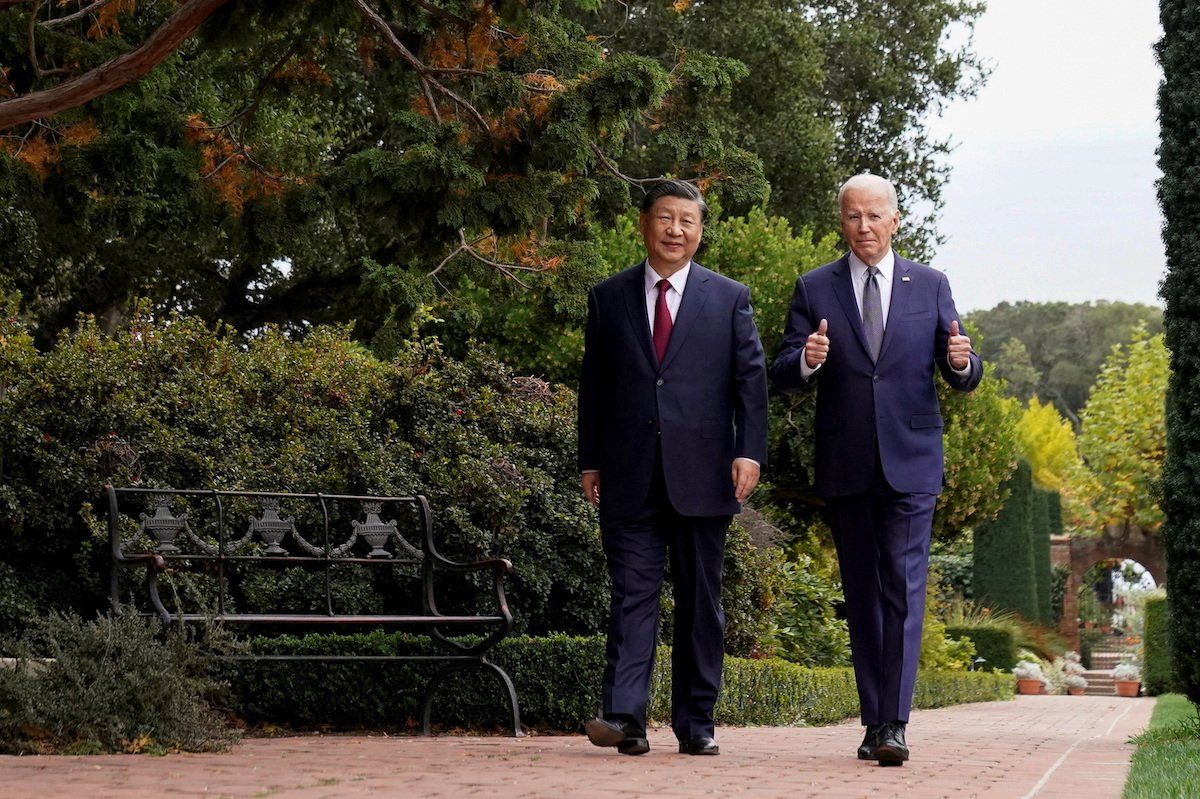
(659, 382)
(874, 379)
(650, 422)
(871, 418)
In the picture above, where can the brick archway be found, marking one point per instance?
(1116, 542)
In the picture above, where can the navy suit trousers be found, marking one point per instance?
(882, 538)
(636, 546)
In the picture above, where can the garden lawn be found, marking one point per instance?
(1167, 762)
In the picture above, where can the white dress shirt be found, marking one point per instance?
(678, 282)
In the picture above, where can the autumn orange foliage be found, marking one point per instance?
(227, 168)
(106, 22)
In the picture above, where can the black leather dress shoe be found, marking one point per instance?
(892, 749)
(866, 750)
(625, 736)
(699, 745)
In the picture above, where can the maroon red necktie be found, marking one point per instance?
(662, 320)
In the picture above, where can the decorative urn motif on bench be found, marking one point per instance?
(374, 530)
(164, 526)
(270, 527)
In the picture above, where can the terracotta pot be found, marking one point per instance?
(1076, 691)
(1127, 687)
(1029, 686)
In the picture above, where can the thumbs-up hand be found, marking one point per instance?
(958, 348)
(816, 349)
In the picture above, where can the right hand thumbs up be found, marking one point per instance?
(816, 349)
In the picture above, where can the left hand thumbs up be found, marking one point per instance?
(958, 347)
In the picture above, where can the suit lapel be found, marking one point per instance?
(695, 294)
(843, 286)
(901, 292)
(635, 303)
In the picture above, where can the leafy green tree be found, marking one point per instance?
(1179, 159)
(1066, 344)
(329, 162)
(1123, 439)
(1048, 443)
(833, 88)
(980, 453)
(1014, 367)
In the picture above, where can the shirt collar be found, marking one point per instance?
(858, 269)
(677, 280)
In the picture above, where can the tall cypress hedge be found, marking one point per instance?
(1039, 530)
(1004, 575)
(1179, 194)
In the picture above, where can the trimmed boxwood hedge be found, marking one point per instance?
(557, 680)
(1158, 672)
(997, 644)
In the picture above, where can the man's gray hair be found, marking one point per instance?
(871, 182)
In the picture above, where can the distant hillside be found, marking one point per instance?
(1055, 349)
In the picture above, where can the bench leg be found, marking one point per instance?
(437, 679)
(512, 696)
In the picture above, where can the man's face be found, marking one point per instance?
(868, 223)
(671, 230)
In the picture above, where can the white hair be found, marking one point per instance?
(871, 183)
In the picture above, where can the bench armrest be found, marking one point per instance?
(502, 565)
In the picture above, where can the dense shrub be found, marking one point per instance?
(558, 682)
(996, 644)
(1158, 672)
(1040, 528)
(1179, 160)
(806, 627)
(1004, 561)
(173, 403)
(120, 683)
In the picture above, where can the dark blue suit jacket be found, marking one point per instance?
(894, 400)
(708, 398)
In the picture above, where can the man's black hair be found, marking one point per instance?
(674, 188)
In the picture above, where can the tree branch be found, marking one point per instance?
(116, 73)
(78, 15)
(425, 72)
(33, 59)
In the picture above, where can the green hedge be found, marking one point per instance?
(1179, 161)
(1041, 527)
(557, 680)
(1158, 673)
(1004, 575)
(997, 644)
(172, 402)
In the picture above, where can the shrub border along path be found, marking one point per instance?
(1040, 747)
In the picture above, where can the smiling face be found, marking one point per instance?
(671, 230)
(868, 222)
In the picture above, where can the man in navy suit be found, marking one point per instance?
(672, 434)
(869, 330)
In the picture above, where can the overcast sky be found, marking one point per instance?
(1051, 196)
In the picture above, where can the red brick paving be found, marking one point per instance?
(1048, 747)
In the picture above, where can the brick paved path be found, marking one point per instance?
(1049, 747)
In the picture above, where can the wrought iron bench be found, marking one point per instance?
(349, 532)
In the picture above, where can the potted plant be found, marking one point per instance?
(1029, 677)
(1127, 679)
(1076, 684)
